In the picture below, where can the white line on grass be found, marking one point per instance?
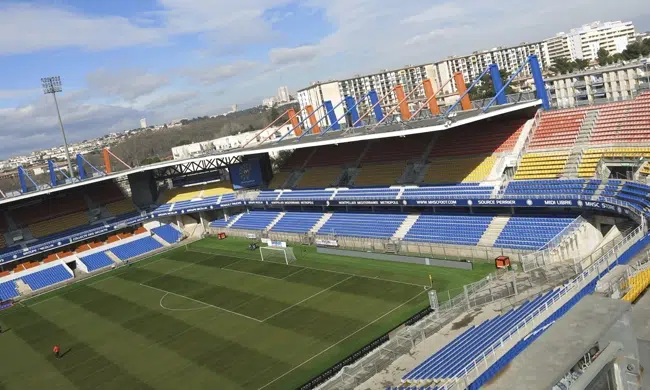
(308, 298)
(249, 273)
(321, 269)
(291, 274)
(197, 301)
(172, 309)
(337, 343)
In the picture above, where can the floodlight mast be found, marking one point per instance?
(52, 85)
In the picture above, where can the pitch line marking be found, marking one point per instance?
(171, 309)
(338, 342)
(204, 303)
(308, 298)
(321, 269)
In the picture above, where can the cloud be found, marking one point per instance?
(172, 99)
(210, 75)
(445, 12)
(286, 56)
(128, 84)
(7, 94)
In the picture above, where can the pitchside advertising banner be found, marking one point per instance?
(417, 202)
(245, 175)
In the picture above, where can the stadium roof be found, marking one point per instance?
(334, 137)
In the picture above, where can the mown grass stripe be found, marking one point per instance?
(223, 357)
(81, 364)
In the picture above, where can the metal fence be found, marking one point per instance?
(551, 252)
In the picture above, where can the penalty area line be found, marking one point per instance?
(338, 342)
(201, 302)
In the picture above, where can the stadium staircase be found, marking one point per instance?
(233, 220)
(320, 222)
(582, 141)
(276, 220)
(493, 231)
(160, 240)
(406, 226)
(294, 178)
(112, 256)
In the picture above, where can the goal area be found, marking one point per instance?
(277, 255)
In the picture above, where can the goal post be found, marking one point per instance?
(277, 255)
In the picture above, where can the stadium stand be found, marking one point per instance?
(168, 233)
(305, 195)
(557, 129)
(319, 177)
(279, 178)
(623, 121)
(379, 174)
(136, 248)
(367, 193)
(297, 222)
(529, 232)
(397, 149)
(47, 277)
(120, 207)
(448, 229)
(637, 284)
(450, 361)
(592, 157)
(376, 225)
(104, 192)
(458, 190)
(96, 261)
(460, 169)
(543, 165)
(221, 222)
(8, 290)
(256, 220)
(59, 224)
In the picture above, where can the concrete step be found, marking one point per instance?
(320, 222)
(406, 225)
(493, 230)
(160, 240)
(276, 220)
(233, 220)
(112, 256)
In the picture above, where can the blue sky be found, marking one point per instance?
(122, 60)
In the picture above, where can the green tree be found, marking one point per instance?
(183, 142)
(485, 89)
(563, 66)
(274, 114)
(603, 57)
(581, 64)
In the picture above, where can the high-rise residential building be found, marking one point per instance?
(585, 41)
(283, 94)
(234, 108)
(471, 66)
(601, 85)
(318, 93)
(143, 123)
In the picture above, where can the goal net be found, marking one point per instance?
(277, 255)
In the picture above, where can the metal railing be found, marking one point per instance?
(525, 326)
(538, 258)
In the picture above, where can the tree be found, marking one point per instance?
(274, 114)
(485, 89)
(603, 57)
(563, 66)
(581, 64)
(183, 142)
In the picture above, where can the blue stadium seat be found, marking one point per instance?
(136, 248)
(307, 194)
(47, 277)
(449, 229)
(297, 222)
(530, 233)
(363, 225)
(8, 290)
(168, 233)
(96, 261)
(256, 220)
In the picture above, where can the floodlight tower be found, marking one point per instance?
(52, 85)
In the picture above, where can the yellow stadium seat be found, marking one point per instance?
(120, 207)
(591, 157)
(542, 165)
(279, 178)
(319, 177)
(379, 174)
(55, 225)
(459, 169)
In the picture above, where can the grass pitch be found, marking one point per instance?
(211, 316)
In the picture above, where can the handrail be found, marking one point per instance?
(550, 246)
(532, 320)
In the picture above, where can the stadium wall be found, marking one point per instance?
(402, 259)
(143, 188)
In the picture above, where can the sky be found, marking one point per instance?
(122, 60)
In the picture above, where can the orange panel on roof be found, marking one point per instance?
(403, 104)
(428, 92)
(465, 103)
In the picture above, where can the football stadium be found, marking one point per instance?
(499, 244)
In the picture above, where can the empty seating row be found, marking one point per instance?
(448, 229)
(545, 165)
(319, 177)
(96, 261)
(136, 248)
(297, 222)
(592, 157)
(363, 225)
(256, 220)
(379, 174)
(168, 233)
(530, 233)
(460, 169)
(47, 277)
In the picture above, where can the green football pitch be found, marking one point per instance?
(212, 316)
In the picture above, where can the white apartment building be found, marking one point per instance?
(471, 66)
(283, 94)
(602, 85)
(143, 123)
(585, 41)
(316, 94)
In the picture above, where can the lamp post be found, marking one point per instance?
(52, 85)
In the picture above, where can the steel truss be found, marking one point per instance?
(194, 167)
